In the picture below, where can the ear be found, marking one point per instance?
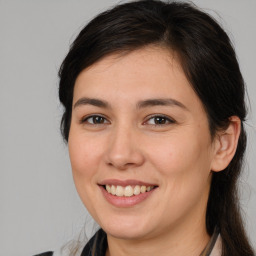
(225, 144)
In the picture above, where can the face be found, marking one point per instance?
(140, 146)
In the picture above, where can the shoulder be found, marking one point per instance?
(45, 254)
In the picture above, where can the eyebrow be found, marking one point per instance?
(139, 105)
(90, 101)
(160, 102)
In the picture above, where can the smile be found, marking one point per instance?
(127, 191)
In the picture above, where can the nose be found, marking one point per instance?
(124, 150)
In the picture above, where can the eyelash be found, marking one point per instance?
(166, 119)
(85, 119)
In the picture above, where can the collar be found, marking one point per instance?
(98, 244)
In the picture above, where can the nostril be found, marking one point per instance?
(120, 164)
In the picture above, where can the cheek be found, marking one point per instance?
(184, 169)
(84, 154)
(84, 162)
(177, 153)
(184, 161)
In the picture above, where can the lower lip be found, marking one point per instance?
(123, 201)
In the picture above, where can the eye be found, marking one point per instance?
(95, 120)
(159, 120)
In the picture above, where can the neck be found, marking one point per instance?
(179, 242)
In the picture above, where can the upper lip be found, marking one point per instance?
(125, 183)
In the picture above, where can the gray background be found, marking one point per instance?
(40, 209)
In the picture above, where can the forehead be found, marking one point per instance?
(155, 62)
(144, 73)
(151, 52)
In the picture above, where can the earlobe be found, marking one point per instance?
(225, 144)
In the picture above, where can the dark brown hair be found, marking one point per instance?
(210, 64)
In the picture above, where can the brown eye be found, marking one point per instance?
(160, 120)
(95, 120)
(98, 120)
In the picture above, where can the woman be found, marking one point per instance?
(153, 115)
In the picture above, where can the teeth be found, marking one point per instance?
(136, 190)
(119, 191)
(113, 190)
(108, 188)
(143, 189)
(128, 190)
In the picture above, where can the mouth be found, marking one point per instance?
(126, 195)
(127, 191)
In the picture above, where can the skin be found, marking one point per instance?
(177, 155)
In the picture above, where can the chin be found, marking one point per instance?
(123, 228)
(127, 234)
